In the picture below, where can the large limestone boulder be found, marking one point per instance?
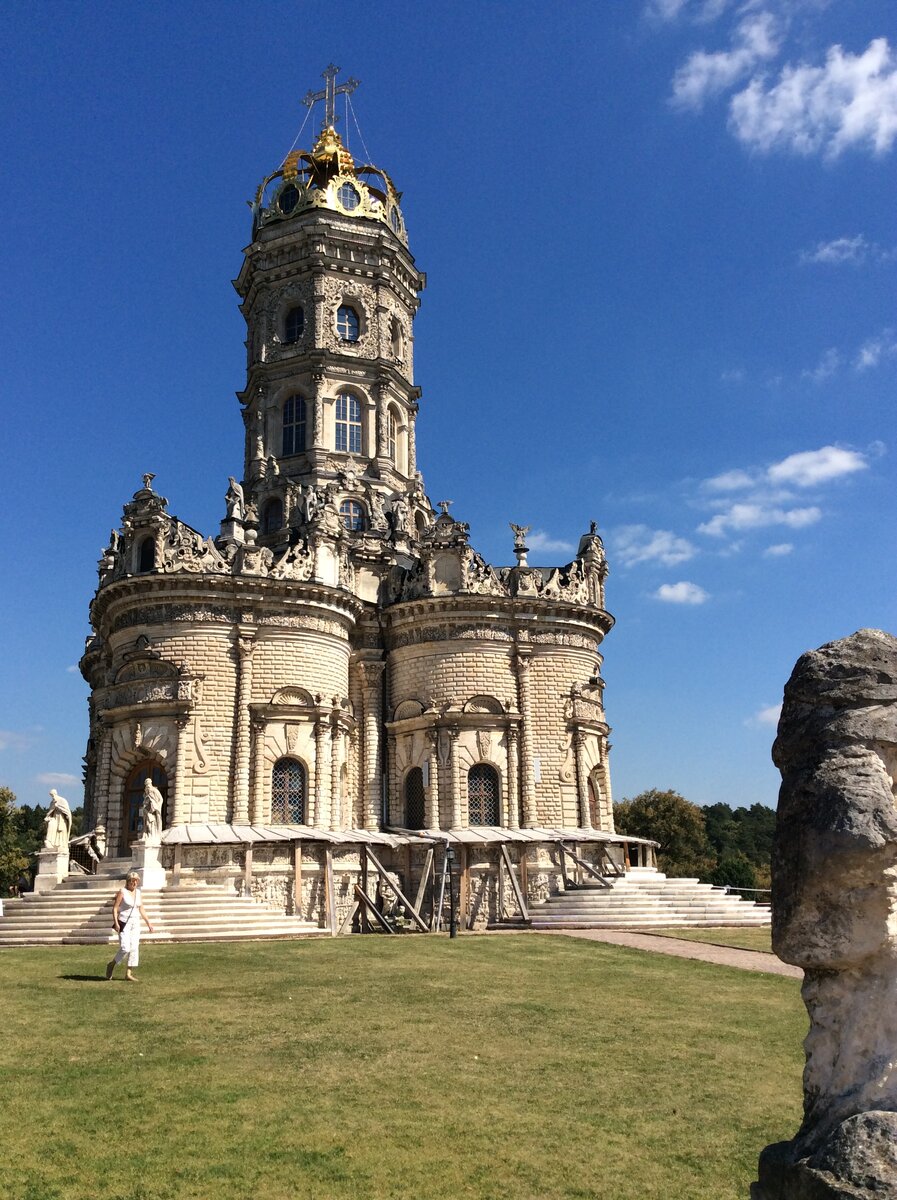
(834, 913)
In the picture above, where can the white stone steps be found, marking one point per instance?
(647, 901)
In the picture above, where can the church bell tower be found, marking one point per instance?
(329, 291)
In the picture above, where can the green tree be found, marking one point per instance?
(13, 858)
(674, 822)
(736, 871)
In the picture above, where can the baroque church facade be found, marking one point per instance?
(338, 662)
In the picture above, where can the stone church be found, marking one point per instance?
(338, 666)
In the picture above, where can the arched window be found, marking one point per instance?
(482, 795)
(391, 435)
(294, 425)
(352, 515)
(132, 802)
(414, 799)
(348, 325)
(288, 788)
(294, 324)
(272, 516)
(594, 805)
(147, 558)
(348, 424)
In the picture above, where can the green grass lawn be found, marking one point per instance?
(744, 939)
(413, 1067)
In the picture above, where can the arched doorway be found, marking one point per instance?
(132, 802)
(594, 803)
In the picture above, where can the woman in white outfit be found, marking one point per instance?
(127, 912)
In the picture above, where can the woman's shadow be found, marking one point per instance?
(85, 978)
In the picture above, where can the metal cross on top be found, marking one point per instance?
(331, 90)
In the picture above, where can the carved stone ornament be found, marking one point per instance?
(484, 743)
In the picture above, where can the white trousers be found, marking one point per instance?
(129, 942)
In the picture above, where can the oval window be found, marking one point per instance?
(348, 197)
(288, 199)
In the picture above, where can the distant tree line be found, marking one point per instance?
(718, 844)
(21, 836)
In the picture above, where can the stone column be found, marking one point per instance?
(582, 778)
(240, 799)
(336, 762)
(103, 780)
(317, 423)
(382, 409)
(526, 737)
(372, 674)
(390, 773)
(513, 816)
(179, 803)
(606, 795)
(455, 775)
(431, 814)
(412, 440)
(321, 815)
(257, 807)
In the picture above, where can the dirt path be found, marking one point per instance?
(725, 956)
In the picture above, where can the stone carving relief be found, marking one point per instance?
(295, 696)
(298, 562)
(834, 913)
(484, 743)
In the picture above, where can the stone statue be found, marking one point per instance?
(152, 814)
(834, 913)
(236, 505)
(58, 822)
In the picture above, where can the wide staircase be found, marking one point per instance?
(646, 900)
(79, 911)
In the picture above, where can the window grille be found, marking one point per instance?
(348, 197)
(348, 325)
(293, 325)
(348, 424)
(294, 425)
(414, 799)
(288, 792)
(482, 795)
(352, 515)
(391, 435)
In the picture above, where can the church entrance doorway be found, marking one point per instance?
(132, 802)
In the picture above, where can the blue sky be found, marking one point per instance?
(661, 254)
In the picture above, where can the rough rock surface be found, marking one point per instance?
(834, 913)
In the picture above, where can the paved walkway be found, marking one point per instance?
(726, 956)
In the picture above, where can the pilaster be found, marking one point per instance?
(240, 798)
(512, 819)
(528, 784)
(582, 778)
(179, 804)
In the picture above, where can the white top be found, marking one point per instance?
(129, 901)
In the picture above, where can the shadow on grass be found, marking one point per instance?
(85, 978)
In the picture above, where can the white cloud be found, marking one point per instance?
(730, 481)
(779, 550)
(825, 368)
(671, 10)
(750, 515)
(10, 739)
(873, 351)
(72, 670)
(810, 468)
(681, 593)
(539, 540)
(766, 716)
(734, 375)
(56, 778)
(756, 39)
(854, 250)
(635, 544)
(851, 101)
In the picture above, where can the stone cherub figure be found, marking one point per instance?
(58, 822)
(152, 814)
(834, 913)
